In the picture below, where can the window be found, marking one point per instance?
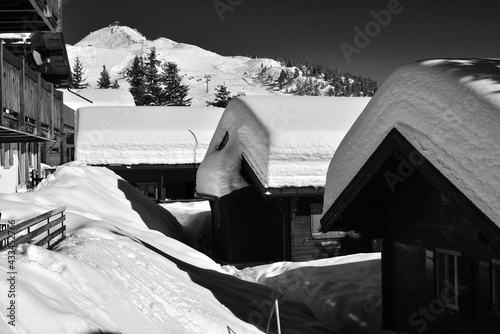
(495, 284)
(224, 141)
(447, 277)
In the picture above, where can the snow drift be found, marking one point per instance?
(114, 274)
(449, 110)
(287, 141)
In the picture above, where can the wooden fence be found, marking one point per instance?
(32, 230)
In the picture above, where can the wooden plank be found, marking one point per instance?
(56, 242)
(42, 229)
(38, 103)
(11, 59)
(1, 84)
(22, 98)
(51, 236)
(24, 224)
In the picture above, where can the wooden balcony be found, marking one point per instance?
(30, 15)
(31, 108)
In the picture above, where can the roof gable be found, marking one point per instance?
(395, 161)
(451, 116)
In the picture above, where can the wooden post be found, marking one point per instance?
(1, 84)
(278, 316)
(62, 133)
(52, 113)
(39, 104)
(24, 163)
(22, 103)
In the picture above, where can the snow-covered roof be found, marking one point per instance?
(287, 141)
(99, 97)
(144, 135)
(449, 110)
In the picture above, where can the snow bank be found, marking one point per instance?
(101, 277)
(113, 274)
(450, 111)
(344, 291)
(144, 135)
(288, 141)
(196, 219)
(97, 97)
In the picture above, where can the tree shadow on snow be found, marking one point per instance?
(473, 69)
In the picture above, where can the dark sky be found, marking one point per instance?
(312, 31)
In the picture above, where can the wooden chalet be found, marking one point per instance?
(429, 189)
(33, 62)
(156, 149)
(273, 212)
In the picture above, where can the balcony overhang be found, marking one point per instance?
(8, 135)
(30, 16)
(44, 52)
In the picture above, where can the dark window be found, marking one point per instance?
(223, 142)
(447, 277)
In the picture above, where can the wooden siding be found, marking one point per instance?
(421, 219)
(28, 103)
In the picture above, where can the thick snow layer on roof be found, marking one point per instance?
(288, 141)
(450, 111)
(98, 97)
(144, 135)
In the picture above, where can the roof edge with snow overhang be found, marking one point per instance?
(284, 144)
(449, 111)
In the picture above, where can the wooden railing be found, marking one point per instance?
(32, 230)
(29, 103)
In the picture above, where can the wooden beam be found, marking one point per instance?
(49, 21)
(1, 84)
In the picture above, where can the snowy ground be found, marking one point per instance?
(114, 274)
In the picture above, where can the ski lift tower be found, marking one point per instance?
(207, 79)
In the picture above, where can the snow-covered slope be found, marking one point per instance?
(450, 111)
(144, 135)
(116, 46)
(288, 141)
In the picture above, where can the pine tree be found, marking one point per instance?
(104, 80)
(135, 77)
(115, 85)
(282, 78)
(296, 73)
(172, 92)
(77, 79)
(222, 97)
(152, 79)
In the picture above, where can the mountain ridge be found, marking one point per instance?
(116, 46)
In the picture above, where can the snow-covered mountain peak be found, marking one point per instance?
(113, 36)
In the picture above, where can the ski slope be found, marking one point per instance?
(116, 46)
